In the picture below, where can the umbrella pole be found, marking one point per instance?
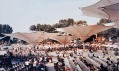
(83, 46)
(65, 41)
(64, 44)
(96, 36)
(43, 41)
(77, 51)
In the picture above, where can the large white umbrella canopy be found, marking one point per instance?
(107, 9)
(84, 32)
(33, 37)
(112, 11)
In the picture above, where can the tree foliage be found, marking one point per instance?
(81, 22)
(51, 28)
(33, 27)
(42, 27)
(5, 29)
(104, 21)
(63, 23)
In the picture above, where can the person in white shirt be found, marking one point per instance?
(34, 63)
(2, 69)
(27, 63)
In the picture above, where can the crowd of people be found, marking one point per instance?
(30, 58)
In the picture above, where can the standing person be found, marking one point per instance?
(27, 63)
(103, 53)
(56, 66)
(31, 65)
(35, 64)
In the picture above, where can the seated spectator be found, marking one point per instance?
(42, 67)
(101, 68)
(2, 68)
(67, 69)
(92, 68)
(27, 63)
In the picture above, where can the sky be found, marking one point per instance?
(21, 14)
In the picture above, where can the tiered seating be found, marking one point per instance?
(67, 63)
(60, 65)
(91, 61)
(100, 61)
(82, 65)
(71, 63)
(112, 64)
(74, 65)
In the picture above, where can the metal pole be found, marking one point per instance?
(83, 46)
(64, 40)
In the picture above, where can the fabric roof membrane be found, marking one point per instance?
(84, 32)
